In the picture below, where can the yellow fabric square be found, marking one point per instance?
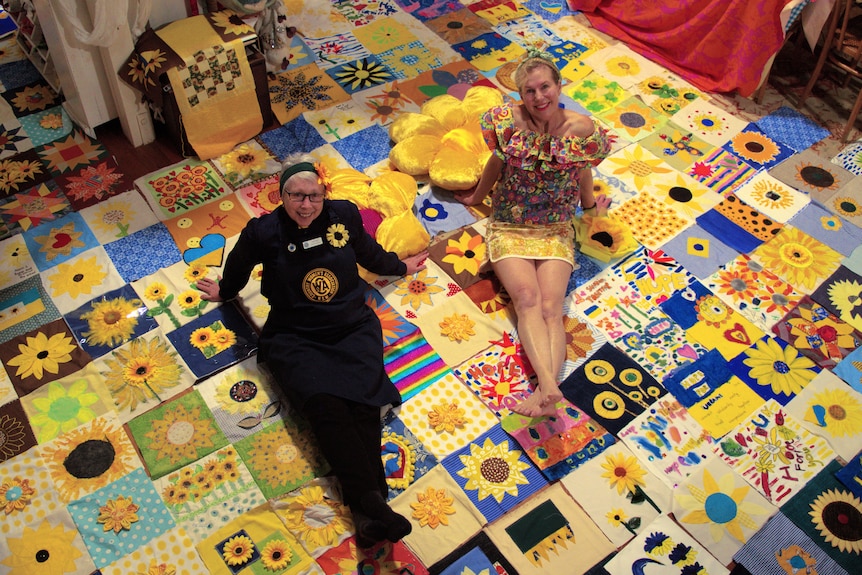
(173, 549)
(456, 331)
(730, 338)
(726, 407)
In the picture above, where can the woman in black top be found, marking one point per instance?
(321, 342)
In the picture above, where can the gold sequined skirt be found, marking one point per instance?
(545, 242)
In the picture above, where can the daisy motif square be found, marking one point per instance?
(212, 491)
(120, 517)
(176, 433)
(494, 473)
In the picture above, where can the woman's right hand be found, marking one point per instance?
(466, 197)
(210, 289)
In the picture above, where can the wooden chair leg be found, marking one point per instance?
(852, 120)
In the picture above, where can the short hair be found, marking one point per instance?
(530, 64)
(294, 159)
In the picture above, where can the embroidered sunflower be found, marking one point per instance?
(457, 327)
(337, 235)
(118, 514)
(433, 507)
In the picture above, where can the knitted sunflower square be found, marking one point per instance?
(176, 433)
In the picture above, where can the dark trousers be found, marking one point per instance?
(349, 436)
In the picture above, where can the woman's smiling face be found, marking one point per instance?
(540, 93)
(304, 211)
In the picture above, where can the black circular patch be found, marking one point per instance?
(680, 194)
(754, 147)
(848, 207)
(90, 459)
(242, 391)
(817, 176)
(632, 120)
(843, 520)
(455, 25)
(604, 238)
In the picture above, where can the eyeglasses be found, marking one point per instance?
(299, 197)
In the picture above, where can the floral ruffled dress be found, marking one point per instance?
(537, 194)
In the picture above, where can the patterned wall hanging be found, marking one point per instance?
(620, 495)
(142, 373)
(774, 453)
(668, 441)
(176, 433)
(494, 473)
(830, 515)
(664, 543)
(550, 534)
(208, 492)
(559, 443)
(830, 408)
(720, 509)
(441, 514)
(255, 542)
(612, 388)
(446, 416)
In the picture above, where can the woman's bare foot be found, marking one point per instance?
(539, 404)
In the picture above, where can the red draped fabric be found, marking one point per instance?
(717, 45)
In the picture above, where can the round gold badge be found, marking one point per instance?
(320, 285)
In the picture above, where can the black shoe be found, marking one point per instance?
(369, 532)
(397, 526)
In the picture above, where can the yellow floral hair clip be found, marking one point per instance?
(323, 176)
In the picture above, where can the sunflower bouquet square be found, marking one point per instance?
(212, 339)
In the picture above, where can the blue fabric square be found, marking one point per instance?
(19, 73)
(700, 252)
(680, 307)
(295, 136)
(851, 475)
(439, 212)
(59, 240)
(360, 74)
(40, 135)
(365, 148)
(732, 235)
(549, 10)
(741, 370)
(792, 128)
(154, 519)
(752, 144)
(481, 46)
(394, 325)
(848, 371)
(144, 252)
(695, 381)
(829, 228)
(474, 560)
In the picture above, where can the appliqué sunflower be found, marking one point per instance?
(118, 514)
(446, 416)
(433, 507)
(337, 235)
(457, 327)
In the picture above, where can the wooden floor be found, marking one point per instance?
(137, 162)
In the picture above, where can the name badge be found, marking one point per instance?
(308, 244)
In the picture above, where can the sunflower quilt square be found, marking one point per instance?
(560, 443)
(709, 122)
(392, 323)
(385, 34)
(246, 163)
(817, 333)
(110, 320)
(442, 515)
(57, 241)
(350, 558)
(772, 198)
(636, 167)
(668, 441)
(477, 554)
(31, 98)
(360, 74)
(582, 337)
(46, 126)
(500, 375)
(42, 356)
(211, 491)
(792, 128)
(26, 493)
(722, 171)
(412, 364)
(179, 188)
(22, 172)
(71, 153)
(66, 403)
(404, 457)
(654, 274)
(494, 473)
(757, 149)
(172, 549)
(161, 448)
(722, 529)
(456, 26)
(118, 216)
(830, 408)
(93, 183)
(622, 65)
(302, 89)
(758, 294)
(282, 457)
(446, 416)
(215, 340)
(632, 119)
(595, 93)
(781, 543)
(260, 197)
(489, 296)
(256, 542)
(774, 369)
(774, 453)
(342, 120)
(315, 515)
(51, 543)
(461, 254)
(667, 543)
(201, 233)
(667, 93)
(143, 373)
(489, 51)
(414, 296)
(651, 221)
(550, 533)
(678, 147)
(89, 457)
(833, 230)
(243, 399)
(829, 185)
(620, 390)
(819, 509)
(24, 307)
(33, 206)
(839, 293)
(77, 281)
(620, 493)
(170, 294)
(120, 517)
(17, 434)
(798, 259)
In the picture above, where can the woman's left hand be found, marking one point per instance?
(415, 262)
(210, 289)
(603, 202)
